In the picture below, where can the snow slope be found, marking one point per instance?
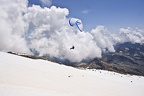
(20, 76)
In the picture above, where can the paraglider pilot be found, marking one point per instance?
(72, 47)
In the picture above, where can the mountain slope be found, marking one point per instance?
(128, 59)
(20, 76)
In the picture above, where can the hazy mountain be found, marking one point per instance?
(128, 59)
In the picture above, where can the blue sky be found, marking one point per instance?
(113, 14)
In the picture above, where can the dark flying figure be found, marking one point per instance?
(72, 47)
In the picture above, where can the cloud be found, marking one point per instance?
(85, 11)
(46, 2)
(12, 26)
(45, 31)
(132, 35)
(101, 39)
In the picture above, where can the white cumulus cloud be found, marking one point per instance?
(12, 28)
(46, 2)
(45, 31)
(85, 11)
(132, 35)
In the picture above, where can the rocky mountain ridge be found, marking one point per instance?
(128, 59)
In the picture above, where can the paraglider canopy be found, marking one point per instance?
(76, 22)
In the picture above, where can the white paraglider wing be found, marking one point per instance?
(76, 22)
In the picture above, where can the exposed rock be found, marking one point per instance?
(33, 56)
